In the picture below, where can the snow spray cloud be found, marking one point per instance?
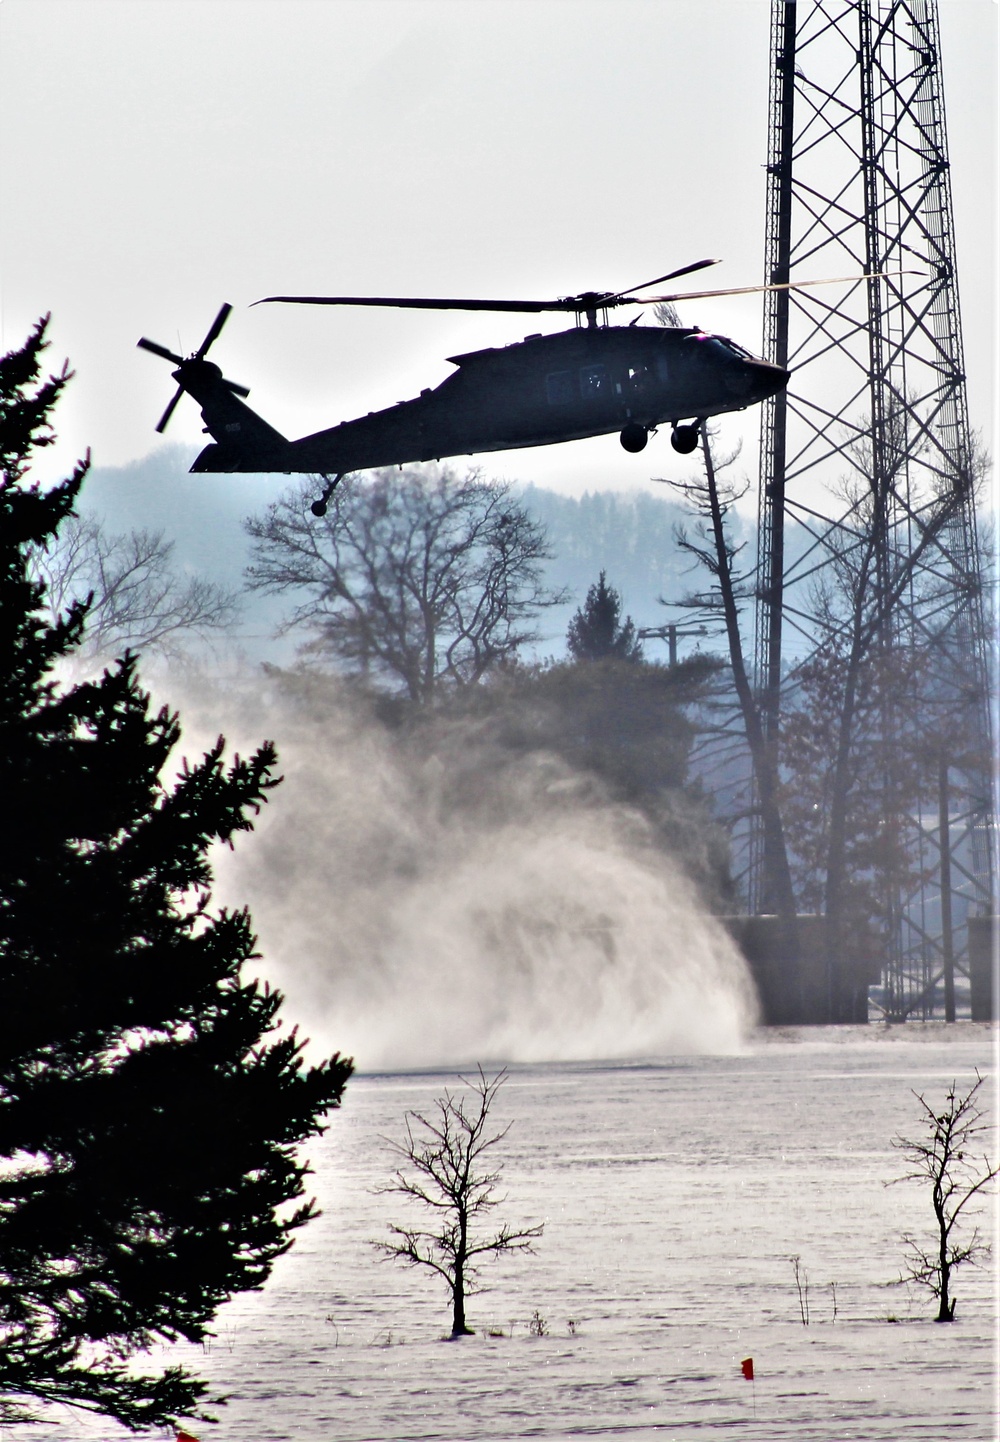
(532, 922)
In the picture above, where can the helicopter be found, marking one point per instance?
(589, 380)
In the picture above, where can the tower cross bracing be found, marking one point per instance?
(868, 540)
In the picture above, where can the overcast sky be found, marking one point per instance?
(162, 156)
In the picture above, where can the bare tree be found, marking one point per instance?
(446, 1152)
(838, 693)
(414, 578)
(869, 715)
(137, 599)
(711, 546)
(946, 1156)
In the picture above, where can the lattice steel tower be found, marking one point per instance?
(868, 540)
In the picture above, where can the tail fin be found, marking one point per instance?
(243, 440)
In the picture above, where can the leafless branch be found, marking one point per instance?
(444, 1151)
(414, 579)
(136, 598)
(945, 1156)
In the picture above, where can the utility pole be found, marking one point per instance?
(669, 633)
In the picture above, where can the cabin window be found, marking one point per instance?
(640, 378)
(559, 388)
(594, 382)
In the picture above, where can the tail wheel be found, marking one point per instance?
(318, 508)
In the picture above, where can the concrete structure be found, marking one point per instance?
(795, 984)
(984, 958)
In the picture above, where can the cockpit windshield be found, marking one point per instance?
(723, 346)
(737, 350)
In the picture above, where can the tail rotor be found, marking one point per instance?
(193, 365)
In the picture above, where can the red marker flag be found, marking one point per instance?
(746, 1364)
(186, 1437)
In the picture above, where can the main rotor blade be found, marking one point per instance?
(160, 350)
(169, 411)
(756, 289)
(423, 302)
(213, 333)
(673, 275)
(532, 307)
(572, 303)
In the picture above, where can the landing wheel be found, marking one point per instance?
(684, 439)
(318, 508)
(634, 437)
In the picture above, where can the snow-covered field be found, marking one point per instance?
(674, 1194)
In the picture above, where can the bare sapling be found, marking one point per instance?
(947, 1157)
(802, 1287)
(444, 1171)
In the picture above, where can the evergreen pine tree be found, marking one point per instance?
(596, 632)
(149, 1110)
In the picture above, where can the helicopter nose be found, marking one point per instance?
(767, 379)
(754, 380)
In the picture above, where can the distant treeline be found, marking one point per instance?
(627, 534)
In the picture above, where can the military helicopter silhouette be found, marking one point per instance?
(590, 380)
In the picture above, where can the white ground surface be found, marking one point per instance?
(673, 1194)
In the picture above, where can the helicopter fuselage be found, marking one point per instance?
(582, 382)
